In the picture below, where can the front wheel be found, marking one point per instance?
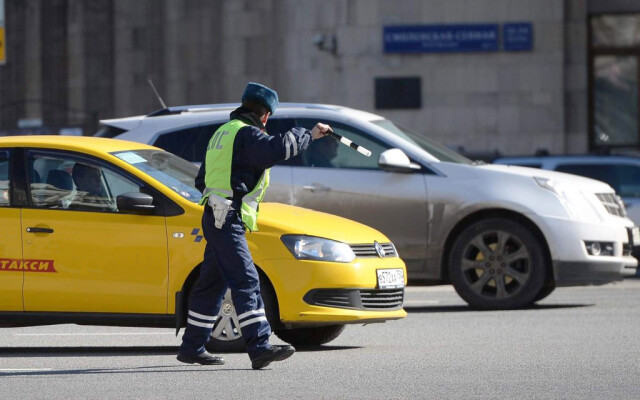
(226, 336)
(314, 336)
(497, 264)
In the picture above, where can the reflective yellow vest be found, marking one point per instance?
(218, 173)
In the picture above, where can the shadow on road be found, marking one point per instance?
(152, 369)
(87, 351)
(19, 352)
(447, 309)
(305, 349)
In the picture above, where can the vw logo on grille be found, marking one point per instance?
(379, 249)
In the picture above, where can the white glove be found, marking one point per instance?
(220, 207)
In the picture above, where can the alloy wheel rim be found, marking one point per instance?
(227, 326)
(496, 264)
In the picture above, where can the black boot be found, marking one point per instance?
(273, 353)
(204, 358)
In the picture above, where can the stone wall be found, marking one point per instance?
(199, 51)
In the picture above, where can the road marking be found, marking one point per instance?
(413, 303)
(94, 334)
(442, 288)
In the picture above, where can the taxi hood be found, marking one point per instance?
(285, 219)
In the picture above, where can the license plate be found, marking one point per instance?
(390, 278)
(635, 235)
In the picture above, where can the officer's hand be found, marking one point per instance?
(319, 131)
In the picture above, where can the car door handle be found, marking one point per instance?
(33, 229)
(317, 187)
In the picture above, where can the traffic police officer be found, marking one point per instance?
(233, 179)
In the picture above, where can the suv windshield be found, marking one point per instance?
(174, 172)
(435, 149)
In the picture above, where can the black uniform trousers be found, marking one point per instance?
(227, 264)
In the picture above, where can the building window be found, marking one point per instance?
(614, 81)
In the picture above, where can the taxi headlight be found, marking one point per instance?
(574, 201)
(314, 248)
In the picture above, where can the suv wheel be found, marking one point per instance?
(497, 264)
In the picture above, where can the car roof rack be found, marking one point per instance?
(216, 107)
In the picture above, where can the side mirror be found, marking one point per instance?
(135, 202)
(395, 160)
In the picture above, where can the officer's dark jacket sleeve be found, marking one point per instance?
(257, 150)
(254, 151)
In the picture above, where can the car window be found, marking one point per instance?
(5, 181)
(437, 150)
(170, 170)
(330, 153)
(190, 143)
(282, 125)
(108, 131)
(625, 179)
(62, 181)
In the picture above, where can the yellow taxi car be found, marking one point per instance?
(126, 250)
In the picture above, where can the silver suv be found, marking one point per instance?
(504, 236)
(622, 173)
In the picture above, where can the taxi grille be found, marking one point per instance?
(360, 299)
(382, 299)
(612, 203)
(369, 250)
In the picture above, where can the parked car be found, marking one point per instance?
(505, 237)
(622, 173)
(125, 250)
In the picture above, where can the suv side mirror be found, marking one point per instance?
(395, 160)
(135, 202)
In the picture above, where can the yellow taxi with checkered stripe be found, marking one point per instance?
(107, 232)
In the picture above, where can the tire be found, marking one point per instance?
(226, 336)
(300, 337)
(546, 290)
(497, 264)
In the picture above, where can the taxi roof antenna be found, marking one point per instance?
(164, 106)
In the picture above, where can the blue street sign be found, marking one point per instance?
(517, 37)
(440, 38)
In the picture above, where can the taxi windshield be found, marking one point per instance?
(174, 172)
(437, 150)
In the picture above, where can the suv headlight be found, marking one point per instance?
(314, 248)
(577, 205)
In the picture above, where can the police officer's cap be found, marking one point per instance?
(261, 94)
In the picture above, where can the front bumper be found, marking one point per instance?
(578, 273)
(323, 293)
(573, 265)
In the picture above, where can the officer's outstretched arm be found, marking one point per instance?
(264, 151)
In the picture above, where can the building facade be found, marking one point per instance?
(567, 82)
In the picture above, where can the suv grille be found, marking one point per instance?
(612, 203)
(369, 250)
(361, 299)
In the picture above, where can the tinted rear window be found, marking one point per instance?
(109, 131)
(190, 143)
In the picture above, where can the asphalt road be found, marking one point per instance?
(577, 343)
